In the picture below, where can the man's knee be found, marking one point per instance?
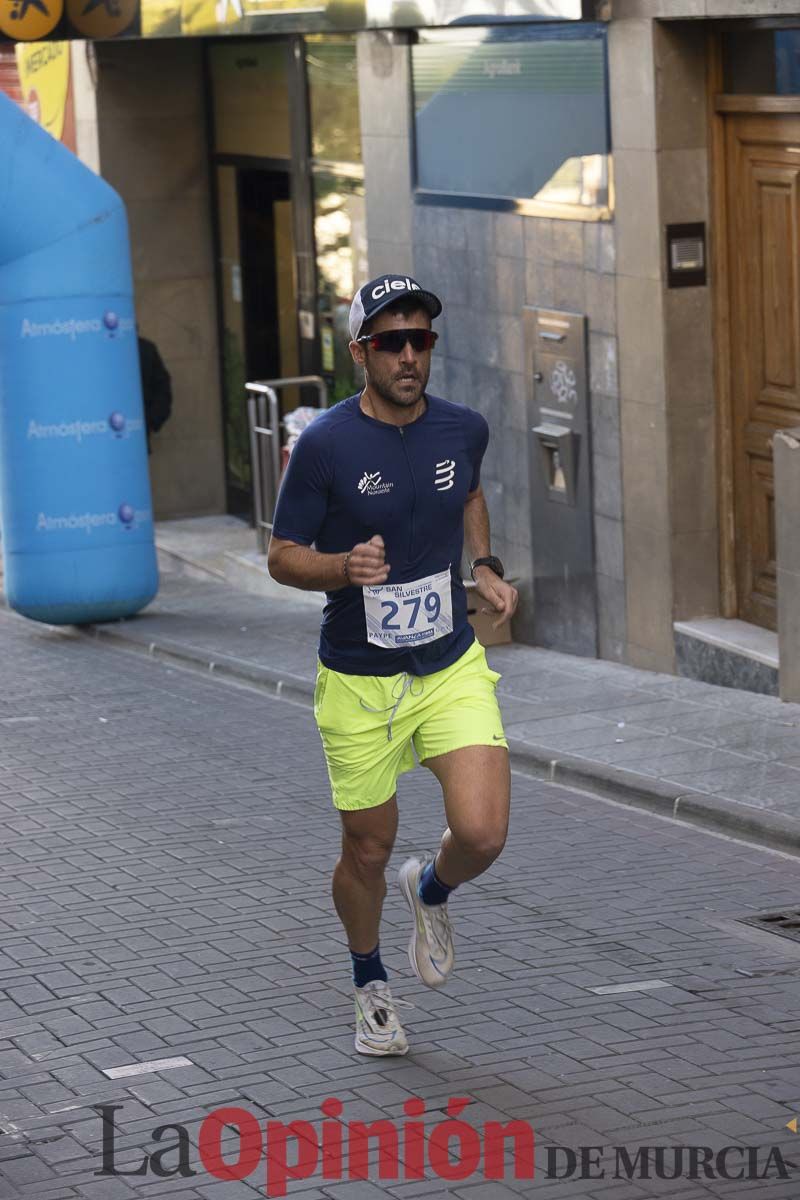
(366, 854)
(483, 841)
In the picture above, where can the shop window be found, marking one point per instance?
(339, 214)
(762, 62)
(340, 231)
(251, 99)
(333, 96)
(513, 117)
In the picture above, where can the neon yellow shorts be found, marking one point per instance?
(369, 723)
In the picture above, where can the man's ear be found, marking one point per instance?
(358, 354)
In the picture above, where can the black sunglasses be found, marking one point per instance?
(393, 341)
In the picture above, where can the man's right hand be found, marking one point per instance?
(366, 565)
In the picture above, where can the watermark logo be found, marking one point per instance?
(413, 1150)
(453, 1150)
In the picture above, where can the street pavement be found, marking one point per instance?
(716, 756)
(167, 846)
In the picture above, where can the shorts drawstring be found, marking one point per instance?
(406, 685)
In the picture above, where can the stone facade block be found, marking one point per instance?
(632, 85)
(152, 149)
(603, 373)
(787, 505)
(609, 547)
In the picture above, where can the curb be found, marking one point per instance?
(657, 795)
(541, 762)
(280, 684)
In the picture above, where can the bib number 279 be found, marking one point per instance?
(432, 606)
(404, 614)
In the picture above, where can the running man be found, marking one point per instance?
(385, 487)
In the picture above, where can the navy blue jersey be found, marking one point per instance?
(351, 477)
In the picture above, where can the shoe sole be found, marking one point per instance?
(406, 890)
(365, 1048)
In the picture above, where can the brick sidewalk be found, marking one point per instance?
(715, 756)
(166, 852)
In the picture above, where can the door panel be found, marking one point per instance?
(259, 310)
(763, 199)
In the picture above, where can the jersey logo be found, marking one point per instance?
(371, 484)
(445, 474)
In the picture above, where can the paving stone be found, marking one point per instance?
(203, 925)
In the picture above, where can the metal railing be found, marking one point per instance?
(264, 421)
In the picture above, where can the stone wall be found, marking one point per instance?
(151, 136)
(487, 267)
(680, 9)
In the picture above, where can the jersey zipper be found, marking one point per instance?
(414, 482)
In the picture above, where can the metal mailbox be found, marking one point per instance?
(565, 612)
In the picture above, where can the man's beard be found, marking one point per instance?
(399, 402)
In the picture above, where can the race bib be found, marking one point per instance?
(409, 614)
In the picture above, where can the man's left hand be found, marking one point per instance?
(501, 595)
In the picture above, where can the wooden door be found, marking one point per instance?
(763, 206)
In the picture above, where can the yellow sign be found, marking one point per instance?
(207, 16)
(28, 20)
(792, 1125)
(44, 77)
(101, 18)
(160, 18)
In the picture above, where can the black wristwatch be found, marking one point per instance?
(493, 563)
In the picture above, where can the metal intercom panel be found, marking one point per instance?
(565, 612)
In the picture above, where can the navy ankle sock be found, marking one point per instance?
(367, 967)
(431, 890)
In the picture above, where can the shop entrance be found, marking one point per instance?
(259, 304)
(762, 194)
(257, 197)
(285, 157)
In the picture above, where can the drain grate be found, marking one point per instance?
(785, 922)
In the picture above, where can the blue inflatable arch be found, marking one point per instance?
(75, 502)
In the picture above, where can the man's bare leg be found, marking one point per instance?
(359, 888)
(359, 883)
(476, 786)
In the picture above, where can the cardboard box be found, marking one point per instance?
(482, 622)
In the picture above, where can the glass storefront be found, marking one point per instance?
(339, 214)
(256, 267)
(258, 216)
(513, 113)
(762, 62)
(251, 99)
(341, 236)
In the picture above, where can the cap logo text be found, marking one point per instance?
(396, 285)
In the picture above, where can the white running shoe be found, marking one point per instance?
(378, 1030)
(430, 950)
